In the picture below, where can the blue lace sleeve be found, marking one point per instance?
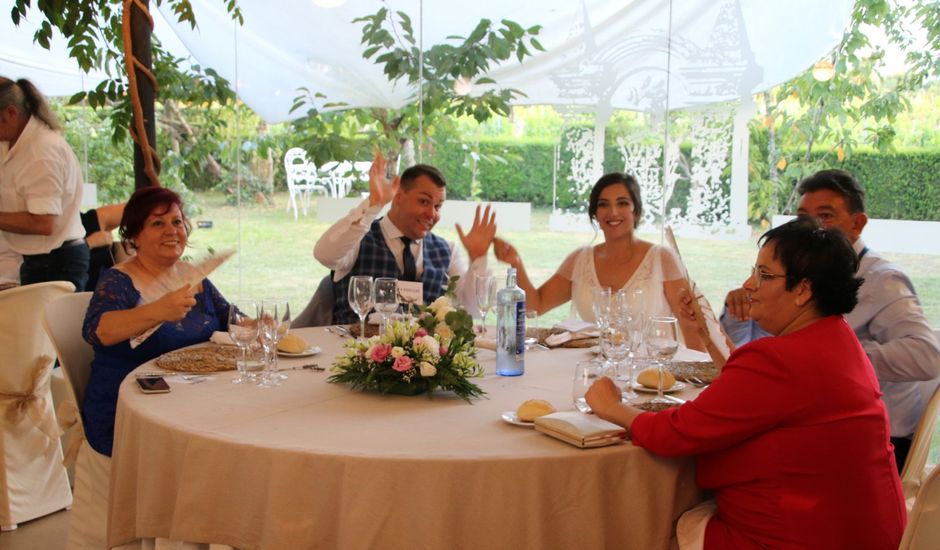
(220, 304)
(115, 292)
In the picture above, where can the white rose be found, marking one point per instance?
(427, 369)
(441, 314)
(442, 302)
(431, 344)
(398, 351)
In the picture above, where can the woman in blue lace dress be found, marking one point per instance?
(139, 294)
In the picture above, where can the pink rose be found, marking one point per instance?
(421, 332)
(443, 350)
(380, 352)
(402, 364)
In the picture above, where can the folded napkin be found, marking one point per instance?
(485, 343)
(219, 337)
(555, 340)
(575, 325)
(579, 429)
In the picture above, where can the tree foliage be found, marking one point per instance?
(859, 106)
(93, 29)
(389, 40)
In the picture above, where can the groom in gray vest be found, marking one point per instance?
(401, 245)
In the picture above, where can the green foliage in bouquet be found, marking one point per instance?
(433, 352)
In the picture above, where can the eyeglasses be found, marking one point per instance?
(760, 276)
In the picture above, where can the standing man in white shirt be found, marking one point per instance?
(888, 319)
(40, 189)
(401, 244)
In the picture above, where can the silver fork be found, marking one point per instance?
(696, 381)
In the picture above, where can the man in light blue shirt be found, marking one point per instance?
(888, 319)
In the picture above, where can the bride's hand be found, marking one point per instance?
(506, 253)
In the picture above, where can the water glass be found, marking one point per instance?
(601, 305)
(386, 298)
(243, 330)
(585, 374)
(531, 328)
(486, 297)
(662, 342)
(361, 297)
(275, 324)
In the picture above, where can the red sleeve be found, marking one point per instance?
(754, 393)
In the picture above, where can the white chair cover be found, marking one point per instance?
(34, 481)
(62, 321)
(914, 468)
(923, 522)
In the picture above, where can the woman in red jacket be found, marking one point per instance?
(792, 437)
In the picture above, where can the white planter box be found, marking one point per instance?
(901, 236)
(510, 216)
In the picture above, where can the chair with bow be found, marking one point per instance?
(35, 482)
(301, 179)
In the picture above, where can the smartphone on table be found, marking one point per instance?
(152, 383)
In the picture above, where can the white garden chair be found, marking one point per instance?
(301, 179)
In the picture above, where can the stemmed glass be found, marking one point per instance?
(361, 297)
(616, 343)
(601, 305)
(243, 330)
(662, 341)
(486, 297)
(386, 298)
(275, 324)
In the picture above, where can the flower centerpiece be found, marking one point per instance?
(434, 351)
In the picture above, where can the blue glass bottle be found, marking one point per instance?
(510, 328)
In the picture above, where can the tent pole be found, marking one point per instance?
(142, 87)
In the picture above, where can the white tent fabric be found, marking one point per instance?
(600, 53)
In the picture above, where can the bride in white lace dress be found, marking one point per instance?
(622, 261)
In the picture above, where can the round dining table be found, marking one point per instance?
(310, 464)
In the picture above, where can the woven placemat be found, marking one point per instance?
(210, 358)
(371, 330)
(705, 371)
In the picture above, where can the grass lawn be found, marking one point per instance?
(276, 255)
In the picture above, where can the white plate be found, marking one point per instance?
(641, 388)
(313, 350)
(512, 418)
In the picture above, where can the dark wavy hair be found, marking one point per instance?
(824, 257)
(615, 178)
(409, 176)
(839, 182)
(144, 202)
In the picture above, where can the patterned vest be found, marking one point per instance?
(376, 259)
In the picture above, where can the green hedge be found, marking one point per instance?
(900, 185)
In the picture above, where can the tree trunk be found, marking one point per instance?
(142, 50)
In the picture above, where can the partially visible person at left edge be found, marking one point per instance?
(40, 189)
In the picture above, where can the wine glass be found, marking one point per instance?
(616, 343)
(386, 298)
(662, 341)
(361, 297)
(486, 297)
(601, 305)
(275, 324)
(243, 330)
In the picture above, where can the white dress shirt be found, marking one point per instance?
(9, 263)
(338, 249)
(892, 329)
(41, 175)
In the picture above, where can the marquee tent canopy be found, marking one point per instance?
(599, 53)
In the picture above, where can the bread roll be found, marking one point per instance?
(532, 409)
(292, 344)
(650, 379)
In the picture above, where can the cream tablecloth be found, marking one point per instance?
(316, 465)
